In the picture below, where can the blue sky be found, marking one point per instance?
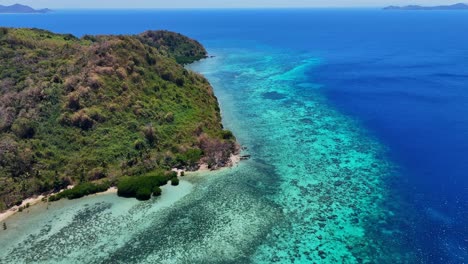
(217, 3)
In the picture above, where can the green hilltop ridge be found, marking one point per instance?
(94, 110)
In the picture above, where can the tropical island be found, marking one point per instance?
(22, 9)
(102, 111)
(459, 6)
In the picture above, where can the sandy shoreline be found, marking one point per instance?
(31, 201)
(234, 160)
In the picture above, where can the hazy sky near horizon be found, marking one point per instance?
(218, 3)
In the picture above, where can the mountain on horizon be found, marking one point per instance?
(23, 9)
(459, 6)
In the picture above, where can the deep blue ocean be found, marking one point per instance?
(400, 77)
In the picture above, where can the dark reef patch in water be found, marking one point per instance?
(307, 120)
(274, 96)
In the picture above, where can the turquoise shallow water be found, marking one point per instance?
(330, 175)
(314, 190)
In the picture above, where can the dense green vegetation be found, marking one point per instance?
(174, 45)
(78, 110)
(81, 190)
(142, 187)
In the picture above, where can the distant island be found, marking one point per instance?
(21, 9)
(459, 6)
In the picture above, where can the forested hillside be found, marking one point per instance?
(75, 110)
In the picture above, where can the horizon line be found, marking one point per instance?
(214, 8)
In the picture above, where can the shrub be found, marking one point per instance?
(157, 191)
(150, 59)
(190, 158)
(3, 31)
(96, 114)
(169, 117)
(81, 190)
(90, 38)
(69, 37)
(121, 73)
(127, 187)
(82, 120)
(167, 75)
(140, 186)
(56, 79)
(7, 117)
(97, 173)
(139, 145)
(53, 198)
(175, 181)
(171, 174)
(226, 134)
(150, 134)
(23, 128)
(60, 183)
(71, 83)
(180, 81)
(94, 82)
(143, 194)
(73, 101)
